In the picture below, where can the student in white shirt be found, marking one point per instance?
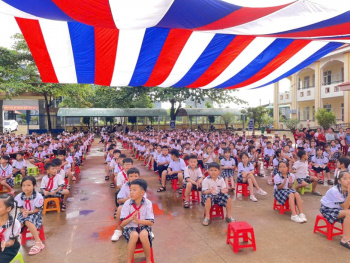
(320, 164)
(335, 206)
(19, 165)
(192, 178)
(228, 166)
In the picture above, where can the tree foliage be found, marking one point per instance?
(325, 118)
(256, 113)
(227, 118)
(291, 124)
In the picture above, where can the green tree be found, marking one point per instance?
(227, 118)
(291, 124)
(177, 96)
(325, 118)
(257, 114)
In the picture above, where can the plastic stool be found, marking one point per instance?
(216, 211)
(304, 189)
(194, 196)
(55, 208)
(237, 230)
(139, 249)
(331, 165)
(282, 208)
(3, 189)
(18, 258)
(242, 189)
(41, 167)
(321, 175)
(26, 231)
(174, 184)
(18, 179)
(330, 227)
(34, 171)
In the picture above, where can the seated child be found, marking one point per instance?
(342, 165)
(283, 192)
(193, 178)
(228, 167)
(268, 153)
(254, 159)
(163, 161)
(6, 173)
(108, 160)
(114, 162)
(30, 204)
(301, 171)
(209, 156)
(246, 176)
(122, 197)
(122, 177)
(214, 191)
(174, 171)
(19, 166)
(66, 166)
(137, 218)
(319, 164)
(52, 185)
(39, 156)
(11, 229)
(335, 206)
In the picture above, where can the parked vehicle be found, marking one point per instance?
(10, 125)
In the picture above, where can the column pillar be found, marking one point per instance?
(318, 102)
(346, 93)
(294, 91)
(276, 113)
(41, 114)
(1, 116)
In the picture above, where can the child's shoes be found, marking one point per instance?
(297, 219)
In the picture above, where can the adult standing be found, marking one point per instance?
(322, 138)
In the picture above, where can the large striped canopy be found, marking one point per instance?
(179, 43)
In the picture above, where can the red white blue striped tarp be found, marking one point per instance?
(179, 43)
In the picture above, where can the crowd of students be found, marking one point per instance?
(59, 156)
(208, 162)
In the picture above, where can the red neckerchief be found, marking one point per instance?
(3, 173)
(138, 215)
(120, 167)
(50, 184)
(2, 235)
(27, 205)
(136, 209)
(125, 176)
(39, 156)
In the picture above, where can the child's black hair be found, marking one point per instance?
(318, 148)
(140, 182)
(122, 156)
(29, 178)
(214, 165)
(301, 153)
(242, 154)
(110, 148)
(341, 175)
(117, 151)
(5, 157)
(128, 160)
(164, 147)
(20, 153)
(10, 201)
(283, 161)
(56, 162)
(133, 170)
(62, 152)
(192, 156)
(49, 165)
(345, 161)
(227, 150)
(175, 153)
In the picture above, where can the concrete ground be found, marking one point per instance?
(83, 233)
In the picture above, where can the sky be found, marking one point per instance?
(255, 97)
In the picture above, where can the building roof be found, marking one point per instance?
(110, 112)
(207, 112)
(344, 86)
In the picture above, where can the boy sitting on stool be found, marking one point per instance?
(214, 191)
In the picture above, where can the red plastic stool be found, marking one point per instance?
(77, 169)
(242, 189)
(41, 167)
(237, 230)
(139, 249)
(282, 208)
(329, 227)
(216, 211)
(194, 196)
(331, 165)
(321, 175)
(174, 184)
(26, 231)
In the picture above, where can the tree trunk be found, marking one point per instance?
(172, 110)
(47, 106)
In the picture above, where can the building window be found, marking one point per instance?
(299, 83)
(342, 74)
(327, 90)
(313, 80)
(327, 77)
(281, 97)
(328, 107)
(287, 96)
(308, 93)
(342, 111)
(306, 113)
(313, 113)
(306, 82)
(301, 94)
(336, 89)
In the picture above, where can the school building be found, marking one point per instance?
(323, 84)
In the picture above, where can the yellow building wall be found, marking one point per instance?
(336, 106)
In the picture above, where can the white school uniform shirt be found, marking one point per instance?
(145, 212)
(69, 158)
(179, 165)
(242, 168)
(108, 158)
(19, 164)
(209, 183)
(5, 171)
(122, 178)
(36, 201)
(8, 232)
(221, 151)
(229, 162)
(320, 161)
(118, 168)
(57, 182)
(161, 159)
(194, 175)
(210, 160)
(301, 169)
(12, 150)
(333, 198)
(125, 192)
(62, 174)
(269, 152)
(278, 179)
(187, 151)
(141, 148)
